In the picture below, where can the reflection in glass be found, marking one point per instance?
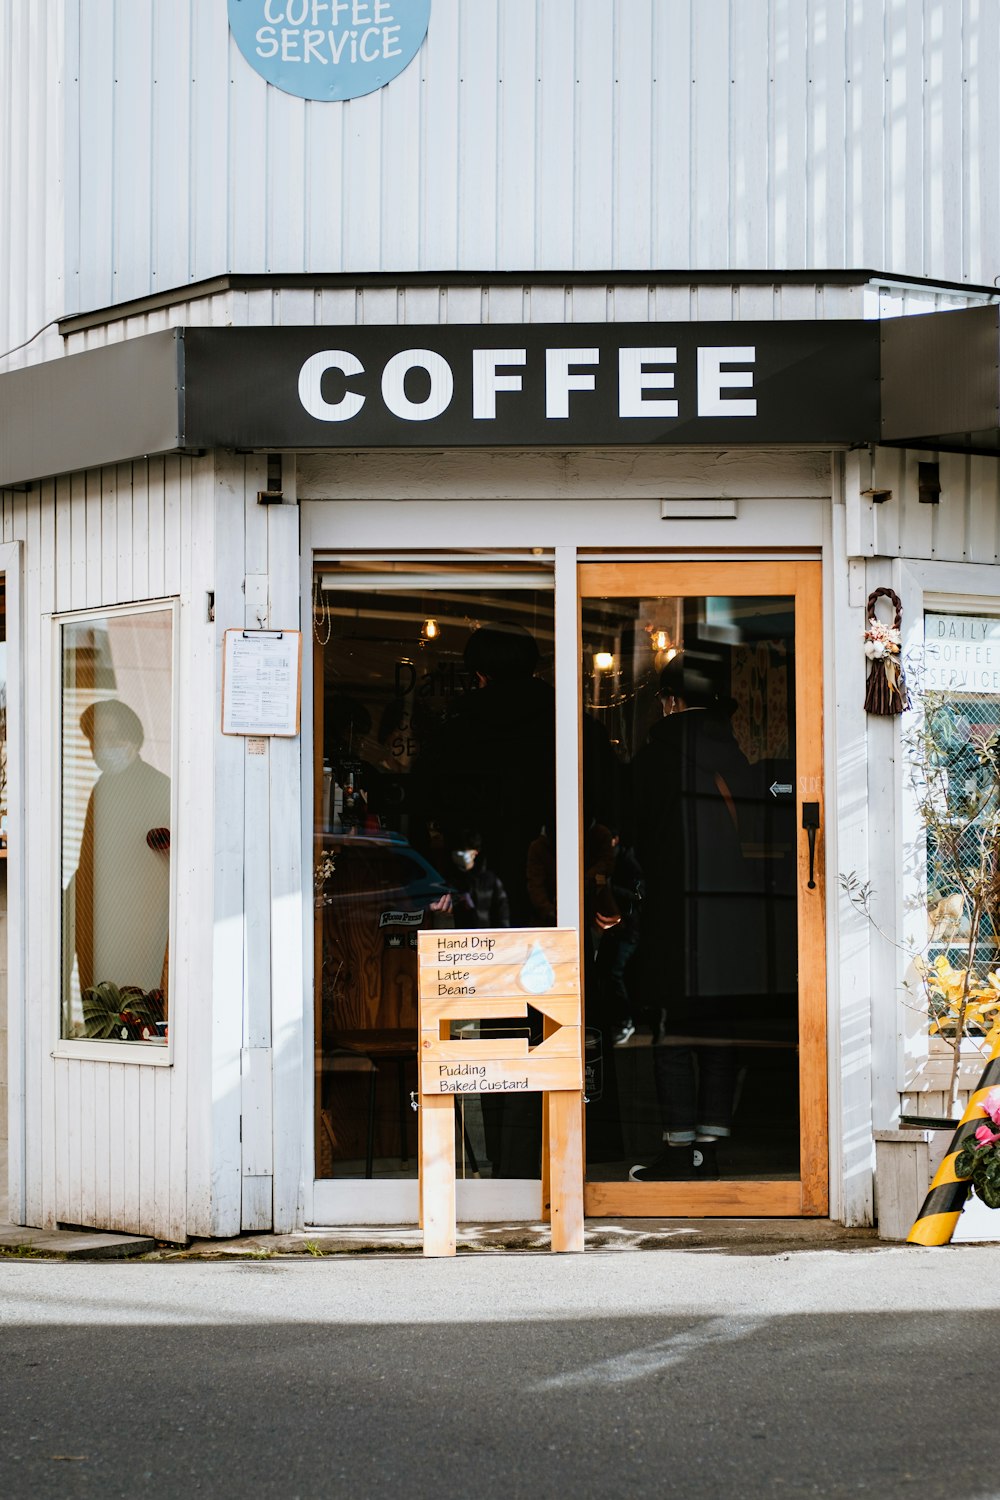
(690, 887)
(115, 818)
(954, 772)
(434, 796)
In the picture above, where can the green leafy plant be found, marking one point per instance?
(120, 1014)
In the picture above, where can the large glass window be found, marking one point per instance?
(435, 807)
(955, 765)
(116, 734)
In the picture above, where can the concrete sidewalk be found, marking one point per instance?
(732, 1236)
(735, 1236)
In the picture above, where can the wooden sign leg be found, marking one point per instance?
(565, 1116)
(420, 1163)
(546, 1160)
(437, 1173)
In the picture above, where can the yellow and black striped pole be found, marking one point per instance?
(935, 1223)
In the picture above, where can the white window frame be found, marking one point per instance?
(142, 1054)
(576, 530)
(344, 1199)
(924, 1062)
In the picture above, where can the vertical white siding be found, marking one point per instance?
(257, 997)
(139, 151)
(32, 167)
(107, 1142)
(526, 303)
(963, 527)
(572, 134)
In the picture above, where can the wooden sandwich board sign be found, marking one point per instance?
(495, 974)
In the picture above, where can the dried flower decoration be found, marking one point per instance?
(886, 692)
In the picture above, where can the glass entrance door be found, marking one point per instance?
(702, 888)
(434, 797)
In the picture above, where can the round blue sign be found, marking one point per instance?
(329, 49)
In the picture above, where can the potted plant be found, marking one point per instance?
(122, 1014)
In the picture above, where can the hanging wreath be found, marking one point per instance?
(886, 693)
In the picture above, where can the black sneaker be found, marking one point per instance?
(624, 1033)
(674, 1164)
(704, 1160)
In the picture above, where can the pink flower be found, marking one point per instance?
(987, 1137)
(991, 1105)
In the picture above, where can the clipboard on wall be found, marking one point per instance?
(262, 682)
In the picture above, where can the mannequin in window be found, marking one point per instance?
(123, 878)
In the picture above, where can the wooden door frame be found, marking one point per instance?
(809, 1195)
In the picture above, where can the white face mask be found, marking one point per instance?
(115, 758)
(464, 858)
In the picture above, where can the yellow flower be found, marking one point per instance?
(963, 995)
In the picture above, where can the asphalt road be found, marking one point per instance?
(646, 1374)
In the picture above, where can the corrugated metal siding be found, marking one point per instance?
(574, 134)
(31, 167)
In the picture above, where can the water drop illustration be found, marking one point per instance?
(537, 975)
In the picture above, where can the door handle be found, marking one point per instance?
(810, 822)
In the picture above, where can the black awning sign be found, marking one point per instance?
(533, 384)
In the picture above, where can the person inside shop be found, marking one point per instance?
(122, 881)
(477, 898)
(617, 912)
(690, 780)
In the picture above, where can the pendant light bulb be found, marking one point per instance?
(431, 630)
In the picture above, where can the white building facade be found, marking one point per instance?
(592, 325)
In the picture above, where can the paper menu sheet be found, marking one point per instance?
(261, 682)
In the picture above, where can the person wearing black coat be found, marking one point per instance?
(618, 943)
(478, 898)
